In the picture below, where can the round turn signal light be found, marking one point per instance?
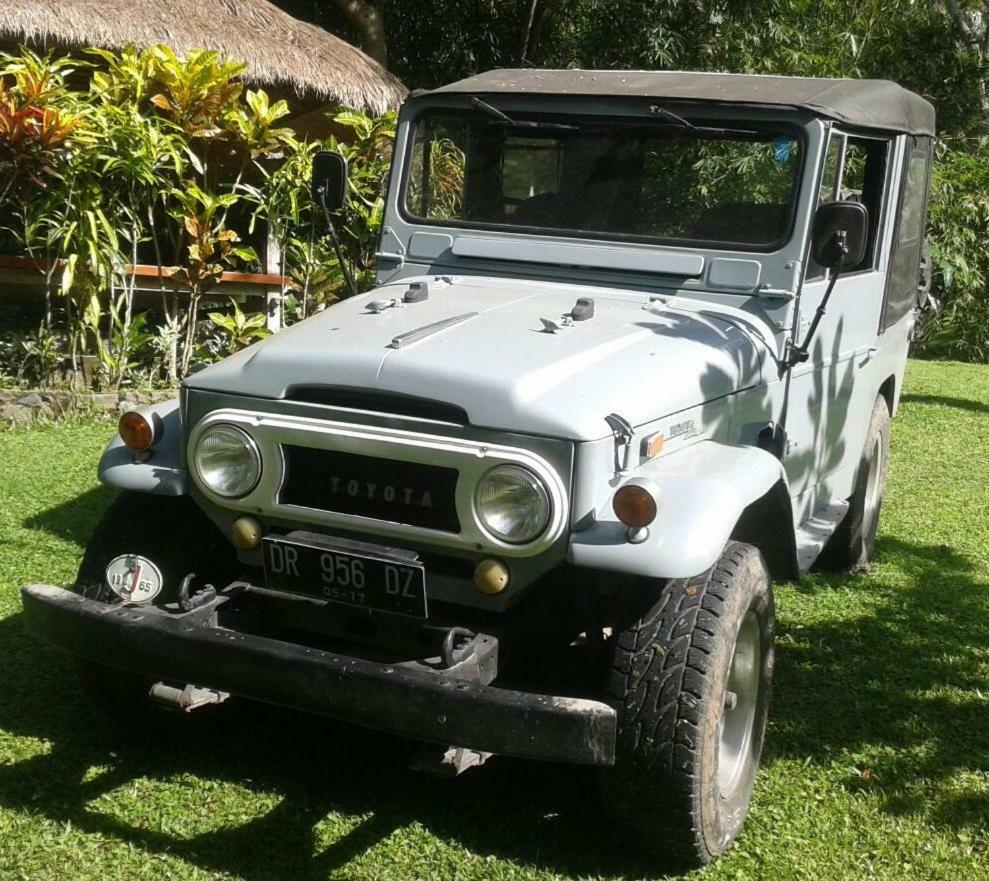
(136, 430)
(634, 505)
(491, 577)
(246, 533)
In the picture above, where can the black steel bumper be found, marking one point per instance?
(407, 702)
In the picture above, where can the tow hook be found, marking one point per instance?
(458, 645)
(190, 600)
(446, 761)
(190, 698)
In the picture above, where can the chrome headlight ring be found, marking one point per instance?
(227, 461)
(512, 504)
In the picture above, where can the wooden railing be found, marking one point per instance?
(27, 272)
(145, 270)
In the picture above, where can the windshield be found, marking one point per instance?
(662, 179)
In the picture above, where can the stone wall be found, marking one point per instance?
(22, 407)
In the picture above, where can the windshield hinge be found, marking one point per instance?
(398, 255)
(787, 293)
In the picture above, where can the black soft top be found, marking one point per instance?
(876, 104)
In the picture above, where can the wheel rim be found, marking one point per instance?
(741, 699)
(873, 481)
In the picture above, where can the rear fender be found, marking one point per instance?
(703, 492)
(163, 472)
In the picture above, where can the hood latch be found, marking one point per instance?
(581, 311)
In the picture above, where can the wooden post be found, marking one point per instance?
(273, 295)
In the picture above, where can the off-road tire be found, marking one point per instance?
(668, 681)
(853, 543)
(176, 535)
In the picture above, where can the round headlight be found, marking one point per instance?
(512, 504)
(228, 461)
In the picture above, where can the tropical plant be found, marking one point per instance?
(35, 358)
(211, 250)
(126, 345)
(958, 218)
(38, 120)
(238, 329)
(198, 92)
(129, 164)
(282, 201)
(367, 145)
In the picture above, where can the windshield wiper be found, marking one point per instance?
(659, 110)
(687, 125)
(505, 119)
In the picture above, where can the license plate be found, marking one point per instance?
(340, 574)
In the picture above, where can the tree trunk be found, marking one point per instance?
(367, 21)
(527, 32)
(535, 17)
(967, 27)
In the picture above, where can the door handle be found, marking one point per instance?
(868, 355)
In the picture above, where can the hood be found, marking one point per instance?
(483, 345)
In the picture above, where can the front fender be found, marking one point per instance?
(162, 472)
(703, 491)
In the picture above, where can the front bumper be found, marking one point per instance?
(191, 648)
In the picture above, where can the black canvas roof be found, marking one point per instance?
(878, 104)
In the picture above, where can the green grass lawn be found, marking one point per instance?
(876, 763)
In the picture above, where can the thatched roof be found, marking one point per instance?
(278, 49)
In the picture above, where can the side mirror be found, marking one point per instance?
(841, 234)
(329, 179)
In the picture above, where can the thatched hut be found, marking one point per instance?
(282, 53)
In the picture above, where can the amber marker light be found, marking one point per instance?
(635, 505)
(136, 430)
(653, 445)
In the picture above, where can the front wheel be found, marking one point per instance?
(691, 677)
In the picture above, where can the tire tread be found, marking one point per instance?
(657, 679)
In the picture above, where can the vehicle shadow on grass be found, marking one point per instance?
(902, 683)
(73, 520)
(535, 814)
(946, 401)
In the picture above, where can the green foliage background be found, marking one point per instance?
(910, 41)
(113, 159)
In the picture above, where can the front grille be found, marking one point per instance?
(368, 486)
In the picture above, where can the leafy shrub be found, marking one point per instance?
(34, 358)
(236, 330)
(958, 224)
(153, 153)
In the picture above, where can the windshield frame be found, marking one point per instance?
(694, 115)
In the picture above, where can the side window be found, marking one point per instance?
(863, 178)
(855, 171)
(908, 237)
(828, 191)
(832, 166)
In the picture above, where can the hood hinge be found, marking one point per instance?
(623, 432)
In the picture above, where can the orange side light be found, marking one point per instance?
(136, 431)
(653, 445)
(634, 505)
